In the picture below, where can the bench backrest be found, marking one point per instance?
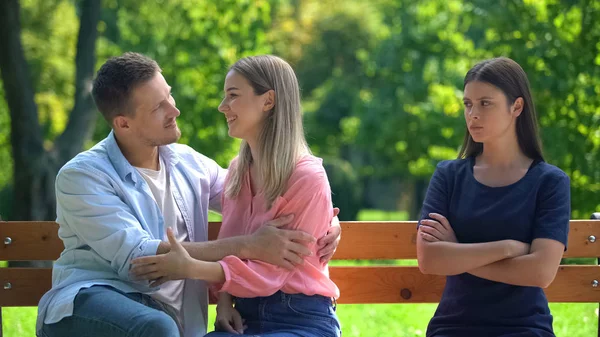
(386, 283)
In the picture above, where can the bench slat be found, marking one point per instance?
(409, 285)
(386, 240)
(31, 241)
(390, 284)
(28, 286)
(397, 240)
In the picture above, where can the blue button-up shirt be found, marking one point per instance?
(108, 217)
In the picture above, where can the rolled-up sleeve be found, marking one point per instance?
(89, 206)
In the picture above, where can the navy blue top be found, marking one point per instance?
(536, 206)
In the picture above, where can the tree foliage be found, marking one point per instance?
(381, 81)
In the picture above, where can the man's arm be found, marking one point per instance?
(279, 247)
(89, 207)
(270, 244)
(329, 242)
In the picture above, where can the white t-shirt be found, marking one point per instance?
(171, 292)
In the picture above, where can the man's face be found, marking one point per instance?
(154, 113)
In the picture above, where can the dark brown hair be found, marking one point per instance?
(117, 78)
(508, 76)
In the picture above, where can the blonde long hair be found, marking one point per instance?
(281, 140)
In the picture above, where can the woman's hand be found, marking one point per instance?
(228, 318)
(437, 229)
(175, 265)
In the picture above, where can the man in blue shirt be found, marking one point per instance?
(114, 203)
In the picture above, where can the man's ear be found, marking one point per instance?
(518, 105)
(269, 101)
(120, 122)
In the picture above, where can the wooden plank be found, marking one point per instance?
(377, 240)
(27, 286)
(30, 240)
(391, 284)
(397, 240)
(360, 240)
(213, 230)
(409, 285)
(579, 244)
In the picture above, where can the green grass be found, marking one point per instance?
(390, 320)
(377, 215)
(19, 322)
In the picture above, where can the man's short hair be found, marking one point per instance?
(117, 78)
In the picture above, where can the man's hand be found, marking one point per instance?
(281, 247)
(174, 265)
(328, 244)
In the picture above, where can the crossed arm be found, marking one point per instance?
(507, 261)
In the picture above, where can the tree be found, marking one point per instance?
(383, 89)
(35, 164)
(193, 41)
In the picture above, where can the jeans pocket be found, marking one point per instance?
(311, 307)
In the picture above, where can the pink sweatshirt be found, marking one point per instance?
(308, 197)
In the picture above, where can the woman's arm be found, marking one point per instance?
(228, 318)
(309, 198)
(438, 251)
(550, 234)
(451, 258)
(536, 269)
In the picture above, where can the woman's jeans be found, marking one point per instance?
(284, 315)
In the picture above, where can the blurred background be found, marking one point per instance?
(382, 96)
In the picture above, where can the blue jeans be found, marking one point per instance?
(284, 315)
(103, 311)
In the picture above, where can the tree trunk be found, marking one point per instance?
(83, 116)
(420, 187)
(35, 167)
(26, 135)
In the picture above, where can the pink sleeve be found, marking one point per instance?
(309, 198)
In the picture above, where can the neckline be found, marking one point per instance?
(151, 172)
(471, 162)
(253, 193)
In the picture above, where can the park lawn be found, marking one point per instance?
(391, 320)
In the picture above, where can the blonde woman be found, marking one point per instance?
(274, 175)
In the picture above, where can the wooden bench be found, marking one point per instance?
(358, 284)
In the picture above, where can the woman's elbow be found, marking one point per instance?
(423, 267)
(544, 276)
(423, 260)
(427, 263)
(543, 282)
(546, 279)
